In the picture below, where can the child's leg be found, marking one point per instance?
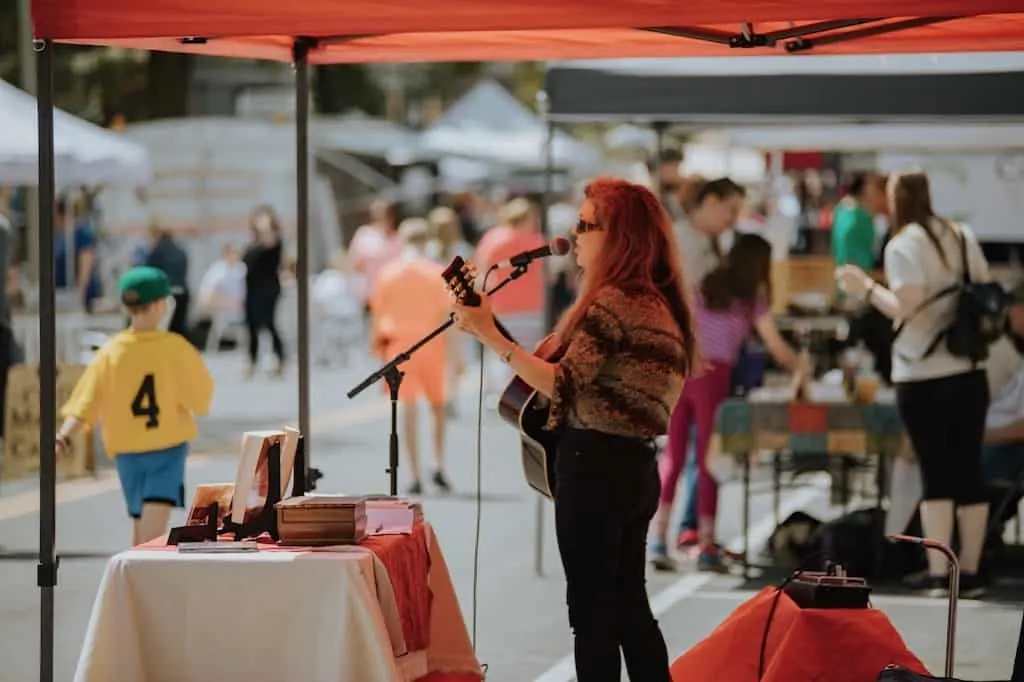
(162, 489)
(131, 475)
(156, 518)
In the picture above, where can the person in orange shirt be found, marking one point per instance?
(409, 300)
(520, 305)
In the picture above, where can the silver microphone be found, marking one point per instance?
(559, 246)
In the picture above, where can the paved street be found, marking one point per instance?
(520, 622)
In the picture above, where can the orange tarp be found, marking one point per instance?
(452, 30)
(804, 645)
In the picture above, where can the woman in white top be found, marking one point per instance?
(942, 398)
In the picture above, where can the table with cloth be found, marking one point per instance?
(382, 610)
(803, 645)
(784, 428)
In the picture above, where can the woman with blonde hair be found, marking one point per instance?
(446, 242)
(631, 322)
(446, 235)
(942, 396)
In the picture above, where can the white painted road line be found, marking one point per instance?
(688, 585)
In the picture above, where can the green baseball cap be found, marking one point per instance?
(144, 285)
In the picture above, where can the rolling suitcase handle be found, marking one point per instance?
(954, 590)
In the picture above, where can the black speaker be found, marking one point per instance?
(830, 590)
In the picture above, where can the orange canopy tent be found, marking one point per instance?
(452, 30)
(308, 32)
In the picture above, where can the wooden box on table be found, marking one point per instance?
(321, 520)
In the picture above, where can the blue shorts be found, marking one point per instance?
(155, 476)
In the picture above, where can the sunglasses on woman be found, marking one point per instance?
(584, 226)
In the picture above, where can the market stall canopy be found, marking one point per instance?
(488, 124)
(790, 89)
(85, 154)
(453, 30)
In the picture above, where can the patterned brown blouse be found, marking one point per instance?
(622, 370)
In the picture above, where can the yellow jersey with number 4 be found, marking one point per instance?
(144, 388)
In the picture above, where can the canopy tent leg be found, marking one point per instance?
(46, 576)
(547, 192)
(300, 52)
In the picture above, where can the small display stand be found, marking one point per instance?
(265, 521)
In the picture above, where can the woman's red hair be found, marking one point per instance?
(639, 254)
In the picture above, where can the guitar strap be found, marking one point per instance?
(504, 332)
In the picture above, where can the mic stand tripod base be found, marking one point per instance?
(393, 378)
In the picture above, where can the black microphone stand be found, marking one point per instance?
(392, 375)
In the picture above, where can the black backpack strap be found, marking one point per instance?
(941, 293)
(964, 261)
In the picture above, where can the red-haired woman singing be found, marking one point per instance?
(628, 346)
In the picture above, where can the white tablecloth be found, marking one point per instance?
(318, 616)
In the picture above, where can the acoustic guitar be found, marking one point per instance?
(520, 404)
(527, 410)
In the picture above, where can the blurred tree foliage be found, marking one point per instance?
(101, 84)
(340, 88)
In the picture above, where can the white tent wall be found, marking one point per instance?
(976, 170)
(984, 190)
(86, 154)
(209, 175)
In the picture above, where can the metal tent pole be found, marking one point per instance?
(300, 52)
(659, 144)
(544, 105)
(46, 576)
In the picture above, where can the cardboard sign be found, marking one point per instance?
(21, 425)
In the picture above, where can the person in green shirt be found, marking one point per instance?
(853, 222)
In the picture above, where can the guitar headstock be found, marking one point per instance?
(460, 276)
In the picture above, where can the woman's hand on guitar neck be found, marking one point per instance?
(476, 320)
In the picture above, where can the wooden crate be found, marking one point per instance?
(799, 275)
(21, 425)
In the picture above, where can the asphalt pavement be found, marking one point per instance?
(518, 615)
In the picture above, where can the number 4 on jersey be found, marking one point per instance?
(144, 404)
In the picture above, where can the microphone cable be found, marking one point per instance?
(479, 473)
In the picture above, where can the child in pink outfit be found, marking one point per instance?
(732, 302)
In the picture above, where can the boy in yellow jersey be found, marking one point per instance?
(145, 386)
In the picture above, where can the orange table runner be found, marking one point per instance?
(407, 560)
(804, 645)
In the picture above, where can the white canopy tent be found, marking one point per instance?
(490, 127)
(86, 154)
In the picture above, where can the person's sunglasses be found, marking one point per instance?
(583, 226)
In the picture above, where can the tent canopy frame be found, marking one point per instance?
(796, 38)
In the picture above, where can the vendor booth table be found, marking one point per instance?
(745, 427)
(383, 610)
